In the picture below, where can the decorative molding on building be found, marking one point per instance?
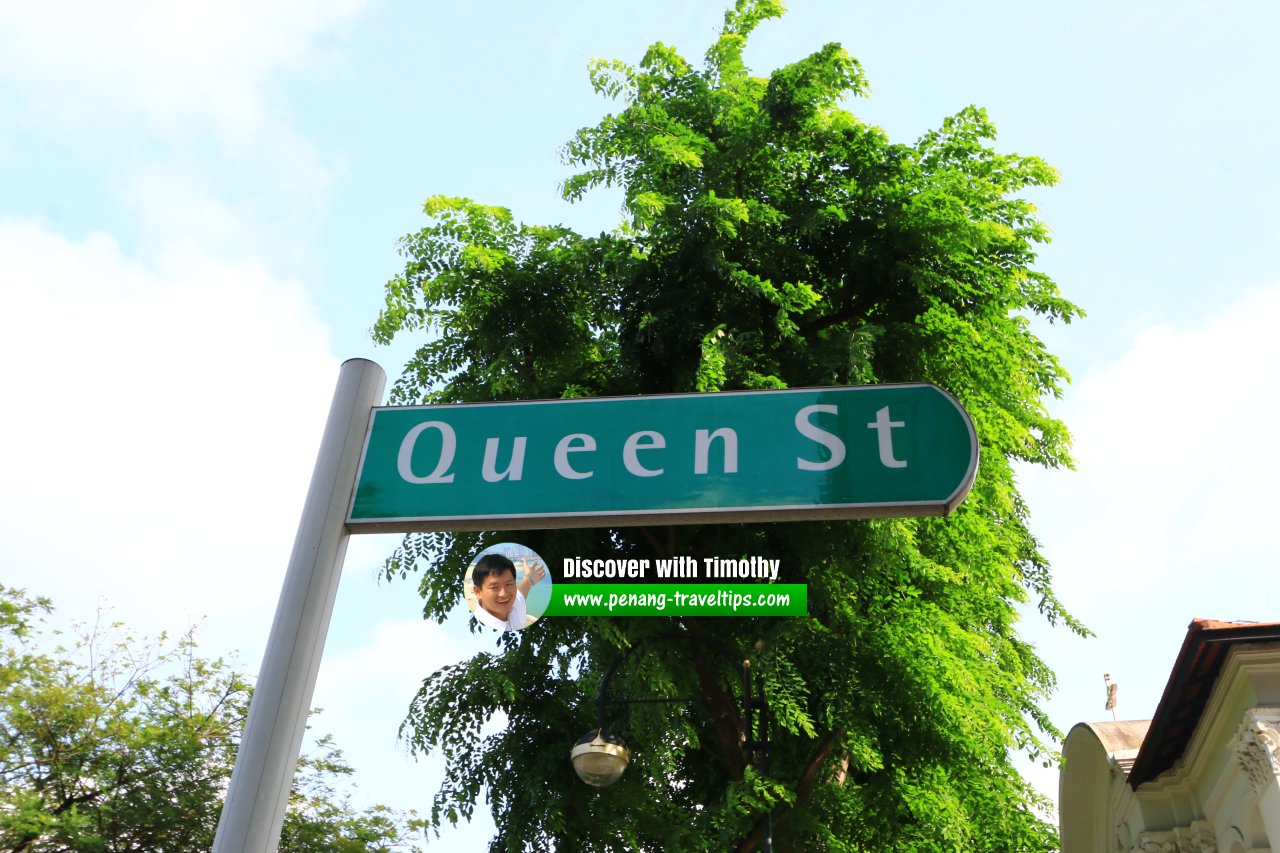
(1197, 838)
(1216, 784)
(1257, 747)
(1156, 842)
(1124, 835)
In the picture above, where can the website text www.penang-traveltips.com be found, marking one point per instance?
(687, 602)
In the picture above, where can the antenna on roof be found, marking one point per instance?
(1111, 694)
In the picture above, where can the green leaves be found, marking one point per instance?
(769, 239)
(121, 744)
(803, 93)
(508, 305)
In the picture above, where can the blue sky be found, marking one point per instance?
(199, 205)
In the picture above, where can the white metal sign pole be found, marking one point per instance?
(259, 789)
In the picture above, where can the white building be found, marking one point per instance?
(1201, 776)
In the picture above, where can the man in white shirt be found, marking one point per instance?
(500, 599)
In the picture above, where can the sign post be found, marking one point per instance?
(856, 452)
(259, 790)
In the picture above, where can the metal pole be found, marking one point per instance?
(259, 791)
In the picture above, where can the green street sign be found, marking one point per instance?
(856, 452)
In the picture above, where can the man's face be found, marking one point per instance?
(498, 594)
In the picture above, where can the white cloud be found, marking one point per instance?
(365, 693)
(385, 672)
(1178, 468)
(203, 59)
(1169, 516)
(160, 428)
(176, 109)
(180, 209)
(161, 425)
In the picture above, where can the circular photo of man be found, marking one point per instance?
(507, 587)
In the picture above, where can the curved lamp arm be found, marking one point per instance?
(755, 710)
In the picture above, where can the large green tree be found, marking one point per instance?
(116, 744)
(770, 239)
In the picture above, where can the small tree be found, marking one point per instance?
(121, 745)
(770, 239)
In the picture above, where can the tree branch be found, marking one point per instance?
(805, 786)
(723, 707)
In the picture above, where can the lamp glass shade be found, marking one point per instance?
(599, 758)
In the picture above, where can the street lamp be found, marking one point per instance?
(600, 757)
